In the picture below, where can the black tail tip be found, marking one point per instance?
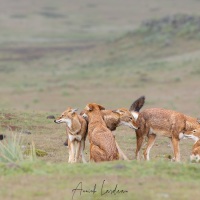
(137, 104)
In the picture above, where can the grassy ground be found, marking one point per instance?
(51, 177)
(155, 180)
(55, 54)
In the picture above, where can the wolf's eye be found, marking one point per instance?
(130, 118)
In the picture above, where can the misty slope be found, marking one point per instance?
(153, 40)
(157, 59)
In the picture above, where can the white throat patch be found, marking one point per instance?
(191, 136)
(181, 136)
(69, 123)
(130, 125)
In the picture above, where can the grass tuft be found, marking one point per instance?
(10, 149)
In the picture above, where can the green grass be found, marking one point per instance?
(21, 122)
(133, 169)
(134, 177)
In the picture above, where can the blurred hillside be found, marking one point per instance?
(55, 54)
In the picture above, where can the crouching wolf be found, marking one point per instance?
(77, 133)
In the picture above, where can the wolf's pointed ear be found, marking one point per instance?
(74, 110)
(101, 107)
(117, 111)
(198, 120)
(89, 107)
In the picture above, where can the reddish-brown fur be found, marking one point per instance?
(102, 141)
(196, 148)
(77, 133)
(120, 116)
(195, 156)
(113, 119)
(169, 123)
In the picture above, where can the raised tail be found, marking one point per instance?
(137, 104)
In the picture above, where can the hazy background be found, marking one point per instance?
(55, 54)
(60, 53)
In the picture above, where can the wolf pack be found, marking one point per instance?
(98, 125)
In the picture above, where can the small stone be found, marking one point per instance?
(50, 117)
(119, 166)
(168, 156)
(27, 132)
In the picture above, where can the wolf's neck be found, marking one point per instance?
(191, 123)
(74, 126)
